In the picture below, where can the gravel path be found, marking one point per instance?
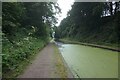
(43, 66)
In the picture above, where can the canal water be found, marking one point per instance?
(90, 62)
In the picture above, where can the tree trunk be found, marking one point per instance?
(111, 8)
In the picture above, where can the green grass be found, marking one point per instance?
(60, 66)
(15, 57)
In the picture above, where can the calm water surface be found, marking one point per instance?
(90, 62)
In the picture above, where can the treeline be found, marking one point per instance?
(92, 22)
(26, 28)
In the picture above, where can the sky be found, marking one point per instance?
(65, 6)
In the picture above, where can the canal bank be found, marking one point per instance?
(66, 41)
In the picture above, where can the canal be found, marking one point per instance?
(90, 62)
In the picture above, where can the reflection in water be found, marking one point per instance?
(90, 62)
(59, 44)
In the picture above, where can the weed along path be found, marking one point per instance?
(47, 64)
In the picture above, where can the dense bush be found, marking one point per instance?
(26, 28)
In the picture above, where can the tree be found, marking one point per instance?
(91, 22)
(25, 15)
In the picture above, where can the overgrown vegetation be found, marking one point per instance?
(95, 23)
(26, 29)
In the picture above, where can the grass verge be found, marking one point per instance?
(61, 69)
(88, 44)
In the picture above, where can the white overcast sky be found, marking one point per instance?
(65, 6)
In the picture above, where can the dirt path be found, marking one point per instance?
(45, 65)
